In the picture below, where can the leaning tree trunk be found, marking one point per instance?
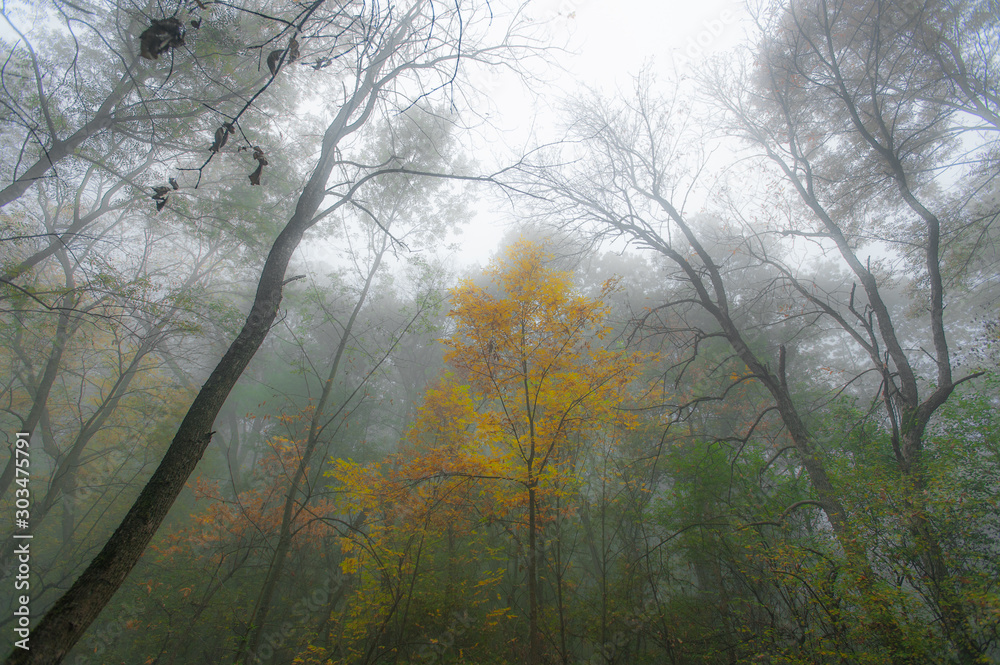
(64, 624)
(264, 599)
(66, 621)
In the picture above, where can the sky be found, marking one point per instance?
(606, 45)
(616, 39)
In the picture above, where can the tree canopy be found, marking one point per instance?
(725, 393)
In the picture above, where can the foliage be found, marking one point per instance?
(496, 450)
(763, 430)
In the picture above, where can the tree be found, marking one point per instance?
(385, 54)
(93, 330)
(530, 348)
(838, 102)
(422, 550)
(322, 420)
(498, 446)
(79, 90)
(863, 71)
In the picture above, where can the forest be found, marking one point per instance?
(726, 390)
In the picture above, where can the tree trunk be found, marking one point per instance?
(64, 624)
(534, 636)
(263, 605)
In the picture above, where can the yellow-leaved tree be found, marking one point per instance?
(532, 349)
(500, 434)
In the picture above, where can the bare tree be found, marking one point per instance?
(861, 113)
(839, 99)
